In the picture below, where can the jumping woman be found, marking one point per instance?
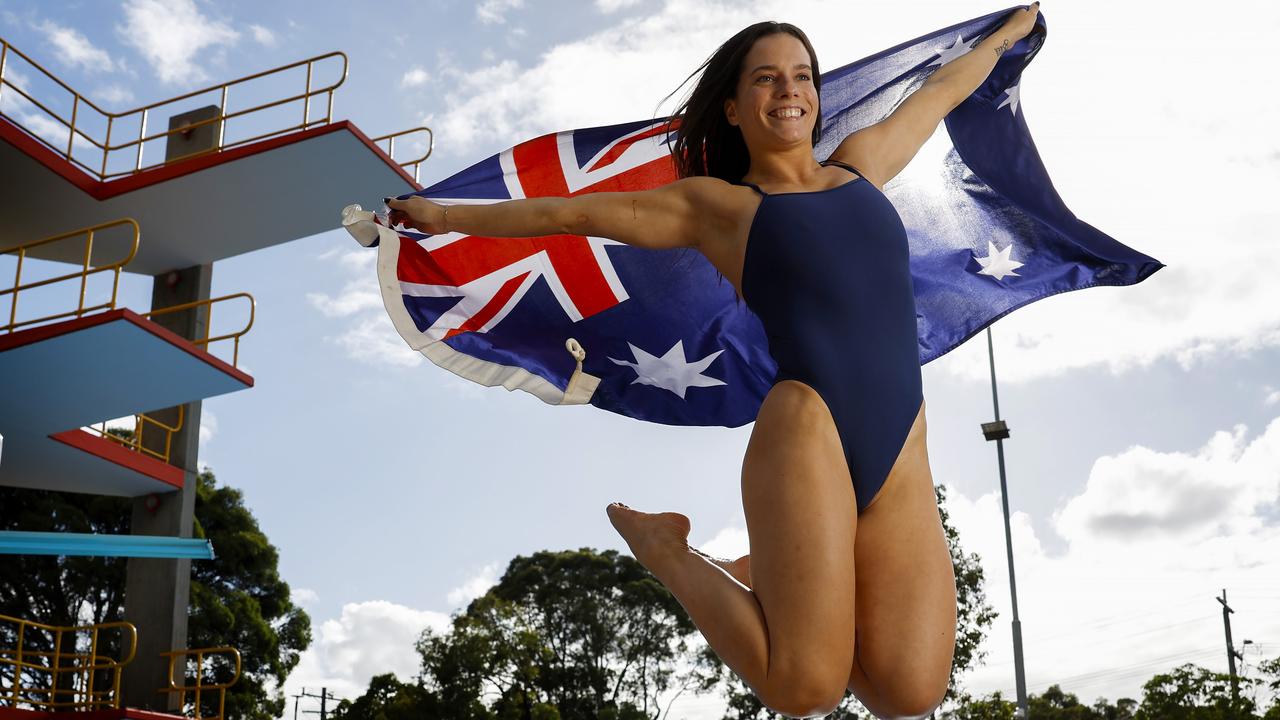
(849, 584)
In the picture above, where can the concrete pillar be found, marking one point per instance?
(157, 592)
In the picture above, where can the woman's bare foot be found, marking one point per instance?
(652, 537)
(740, 569)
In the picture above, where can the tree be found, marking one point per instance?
(1053, 704)
(237, 599)
(1190, 692)
(567, 634)
(973, 616)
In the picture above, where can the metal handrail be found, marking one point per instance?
(143, 112)
(206, 340)
(83, 666)
(83, 274)
(134, 440)
(416, 162)
(200, 686)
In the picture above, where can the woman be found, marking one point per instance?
(849, 584)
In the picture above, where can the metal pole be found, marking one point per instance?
(998, 431)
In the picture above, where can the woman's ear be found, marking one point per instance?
(731, 111)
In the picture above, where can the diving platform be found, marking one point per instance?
(89, 370)
(205, 208)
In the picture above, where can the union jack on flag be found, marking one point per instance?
(659, 335)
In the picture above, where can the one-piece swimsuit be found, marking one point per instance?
(828, 274)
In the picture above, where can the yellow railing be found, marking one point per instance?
(230, 656)
(416, 162)
(65, 671)
(75, 126)
(205, 341)
(133, 440)
(86, 269)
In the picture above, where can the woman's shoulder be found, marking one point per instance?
(710, 192)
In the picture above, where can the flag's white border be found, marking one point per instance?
(582, 386)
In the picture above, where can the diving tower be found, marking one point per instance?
(163, 190)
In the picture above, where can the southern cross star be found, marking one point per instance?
(1012, 100)
(997, 263)
(958, 48)
(671, 371)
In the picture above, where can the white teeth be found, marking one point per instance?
(786, 112)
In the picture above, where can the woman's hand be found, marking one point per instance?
(1022, 21)
(418, 213)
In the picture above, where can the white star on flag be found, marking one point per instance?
(1012, 100)
(997, 263)
(958, 48)
(671, 371)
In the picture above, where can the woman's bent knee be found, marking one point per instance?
(802, 693)
(911, 698)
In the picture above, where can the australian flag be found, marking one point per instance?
(659, 335)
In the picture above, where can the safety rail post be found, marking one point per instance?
(200, 654)
(416, 162)
(82, 274)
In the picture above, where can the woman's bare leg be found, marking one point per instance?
(907, 614)
(790, 636)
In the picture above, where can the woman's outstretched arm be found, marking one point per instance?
(884, 149)
(661, 218)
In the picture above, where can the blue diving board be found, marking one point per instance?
(13, 542)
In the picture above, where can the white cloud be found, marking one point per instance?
(113, 94)
(170, 34)
(208, 427)
(415, 77)
(495, 11)
(610, 6)
(731, 543)
(262, 35)
(1271, 396)
(305, 597)
(475, 586)
(74, 49)
(1151, 540)
(373, 339)
(369, 638)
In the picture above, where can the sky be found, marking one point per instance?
(1144, 461)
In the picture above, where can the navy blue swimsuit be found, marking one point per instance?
(827, 273)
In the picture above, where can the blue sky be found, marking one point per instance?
(396, 491)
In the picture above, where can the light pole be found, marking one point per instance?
(998, 431)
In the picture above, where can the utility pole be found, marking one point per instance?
(1231, 650)
(325, 696)
(998, 431)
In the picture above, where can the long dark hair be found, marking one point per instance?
(706, 144)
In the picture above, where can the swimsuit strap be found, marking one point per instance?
(753, 186)
(844, 165)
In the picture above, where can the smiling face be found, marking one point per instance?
(776, 103)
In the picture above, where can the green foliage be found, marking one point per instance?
(237, 600)
(572, 634)
(1187, 692)
(991, 707)
(61, 590)
(1190, 692)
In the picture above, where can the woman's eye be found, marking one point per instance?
(804, 76)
